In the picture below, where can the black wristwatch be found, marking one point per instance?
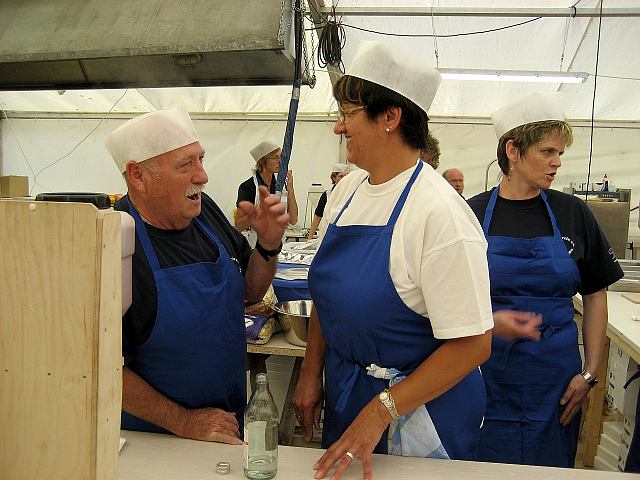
(268, 254)
(592, 382)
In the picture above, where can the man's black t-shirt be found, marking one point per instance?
(585, 241)
(174, 248)
(247, 189)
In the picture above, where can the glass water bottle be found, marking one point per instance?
(261, 433)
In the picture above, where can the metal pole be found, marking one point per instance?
(371, 11)
(293, 104)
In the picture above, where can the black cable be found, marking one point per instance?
(330, 45)
(443, 36)
(593, 101)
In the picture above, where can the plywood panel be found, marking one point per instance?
(54, 349)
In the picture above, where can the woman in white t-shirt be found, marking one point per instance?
(400, 286)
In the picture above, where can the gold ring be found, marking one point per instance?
(349, 454)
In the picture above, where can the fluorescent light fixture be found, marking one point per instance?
(512, 75)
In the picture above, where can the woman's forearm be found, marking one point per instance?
(441, 371)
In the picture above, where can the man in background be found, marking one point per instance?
(455, 179)
(184, 340)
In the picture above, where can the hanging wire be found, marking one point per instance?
(593, 101)
(332, 41)
(15, 137)
(435, 37)
(564, 42)
(35, 180)
(463, 34)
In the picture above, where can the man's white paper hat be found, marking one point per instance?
(340, 168)
(409, 76)
(151, 134)
(537, 107)
(262, 149)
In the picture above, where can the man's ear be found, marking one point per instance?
(136, 175)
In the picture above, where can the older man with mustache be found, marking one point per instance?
(184, 337)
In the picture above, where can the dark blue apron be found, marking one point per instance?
(364, 321)
(526, 379)
(196, 353)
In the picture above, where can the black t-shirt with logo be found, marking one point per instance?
(585, 241)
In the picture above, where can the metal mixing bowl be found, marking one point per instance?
(294, 317)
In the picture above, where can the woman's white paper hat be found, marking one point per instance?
(151, 134)
(409, 76)
(537, 107)
(340, 168)
(262, 149)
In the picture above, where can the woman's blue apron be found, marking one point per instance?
(364, 321)
(196, 353)
(525, 379)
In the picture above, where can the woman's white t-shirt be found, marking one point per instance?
(438, 258)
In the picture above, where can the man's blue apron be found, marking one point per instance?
(196, 353)
(525, 379)
(364, 321)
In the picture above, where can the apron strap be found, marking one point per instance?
(403, 196)
(488, 214)
(399, 204)
(141, 229)
(554, 224)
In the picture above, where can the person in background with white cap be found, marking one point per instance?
(338, 172)
(400, 286)
(267, 157)
(184, 340)
(544, 247)
(455, 178)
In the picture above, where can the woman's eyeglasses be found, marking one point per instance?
(344, 113)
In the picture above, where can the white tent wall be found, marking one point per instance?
(468, 146)
(36, 146)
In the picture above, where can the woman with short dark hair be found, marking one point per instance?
(401, 316)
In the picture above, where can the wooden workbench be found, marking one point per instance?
(624, 333)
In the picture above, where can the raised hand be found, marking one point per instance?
(268, 218)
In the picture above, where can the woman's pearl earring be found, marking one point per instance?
(388, 129)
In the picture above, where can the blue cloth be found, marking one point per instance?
(364, 321)
(413, 434)
(196, 353)
(525, 379)
(287, 290)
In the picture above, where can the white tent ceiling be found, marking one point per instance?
(537, 45)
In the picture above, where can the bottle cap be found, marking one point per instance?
(223, 468)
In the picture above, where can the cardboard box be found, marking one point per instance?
(621, 368)
(14, 186)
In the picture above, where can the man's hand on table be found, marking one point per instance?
(211, 425)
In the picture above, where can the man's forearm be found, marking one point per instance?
(145, 402)
(258, 276)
